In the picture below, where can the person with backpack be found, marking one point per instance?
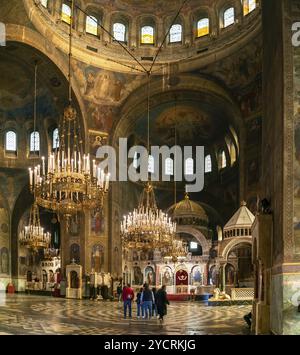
(119, 292)
(139, 304)
(147, 300)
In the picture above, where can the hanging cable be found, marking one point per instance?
(167, 34)
(148, 114)
(174, 165)
(34, 108)
(70, 51)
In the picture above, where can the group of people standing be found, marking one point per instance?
(149, 302)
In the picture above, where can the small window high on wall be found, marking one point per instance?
(66, 13)
(147, 35)
(10, 141)
(119, 31)
(203, 27)
(151, 164)
(169, 166)
(91, 25)
(229, 17)
(249, 6)
(136, 161)
(223, 160)
(189, 167)
(34, 142)
(55, 139)
(208, 164)
(176, 33)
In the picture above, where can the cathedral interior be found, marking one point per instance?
(218, 74)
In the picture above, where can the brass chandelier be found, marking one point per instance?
(69, 183)
(147, 227)
(33, 236)
(176, 251)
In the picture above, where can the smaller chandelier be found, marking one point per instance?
(176, 251)
(50, 253)
(33, 236)
(147, 227)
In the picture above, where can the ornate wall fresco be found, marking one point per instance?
(97, 222)
(239, 70)
(97, 139)
(97, 258)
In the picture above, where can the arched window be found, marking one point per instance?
(229, 17)
(203, 27)
(44, 3)
(249, 6)
(34, 142)
(91, 25)
(232, 153)
(208, 164)
(223, 160)
(135, 160)
(119, 31)
(10, 141)
(66, 13)
(189, 167)
(151, 164)
(147, 35)
(176, 33)
(55, 139)
(169, 166)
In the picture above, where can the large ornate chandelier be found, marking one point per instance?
(69, 183)
(33, 236)
(147, 227)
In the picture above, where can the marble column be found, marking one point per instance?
(280, 160)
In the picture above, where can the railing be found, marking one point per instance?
(242, 294)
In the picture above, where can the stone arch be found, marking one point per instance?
(24, 35)
(135, 102)
(22, 203)
(233, 243)
(198, 235)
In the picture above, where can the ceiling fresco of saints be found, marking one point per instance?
(192, 123)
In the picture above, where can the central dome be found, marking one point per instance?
(188, 208)
(153, 33)
(157, 6)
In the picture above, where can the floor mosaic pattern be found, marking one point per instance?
(27, 314)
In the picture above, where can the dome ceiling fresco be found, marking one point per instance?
(194, 123)
(189, 123)
(17, 83)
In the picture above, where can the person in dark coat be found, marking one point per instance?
(161, 302)
(154, 308)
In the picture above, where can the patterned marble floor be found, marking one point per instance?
(28, 314)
